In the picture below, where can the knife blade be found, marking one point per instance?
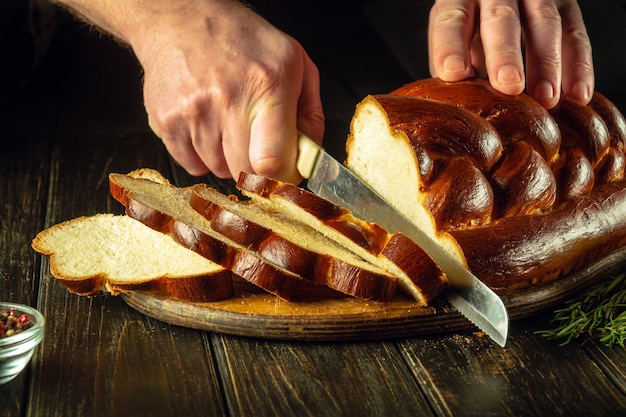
(329, 179)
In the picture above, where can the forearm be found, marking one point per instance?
(130, 21)
(108, 16)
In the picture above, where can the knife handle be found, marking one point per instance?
(307, 155)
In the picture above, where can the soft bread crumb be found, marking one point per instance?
(119, 249)
(383, 157)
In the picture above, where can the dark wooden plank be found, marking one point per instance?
(612, 361)
(23, 187)
(264, 378)
(12, 396)
(467, 375)
(27, 119)
(104, 358)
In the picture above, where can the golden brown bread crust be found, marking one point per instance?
(368, 235)
(410, 258)
(438, 129)
(612, 117)
(213, 286)
(424, 273)
(522, 183)
(317, 268)
(518, 251)
(459, 195)
(88, 287)
(216, 287)
(514, 117)
(244, 264)
(558, 206)
(582, 128)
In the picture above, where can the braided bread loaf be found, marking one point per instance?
(520, 194)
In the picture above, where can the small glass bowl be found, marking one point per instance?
(17, 350)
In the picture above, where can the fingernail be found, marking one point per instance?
(508, 74)
(581, 91)
(454, 63)
(544, 91)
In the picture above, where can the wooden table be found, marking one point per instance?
(81, 118)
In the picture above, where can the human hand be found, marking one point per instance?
(485, 38)
(226, 91)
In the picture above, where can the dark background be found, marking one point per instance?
(360, 47)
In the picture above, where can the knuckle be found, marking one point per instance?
(544, 12)
(581, 68)
(500, 11)
(456, 16)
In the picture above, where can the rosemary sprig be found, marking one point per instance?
(599, 313)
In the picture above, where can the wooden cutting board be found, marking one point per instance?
(326, 316)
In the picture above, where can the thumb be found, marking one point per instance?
(273, 148)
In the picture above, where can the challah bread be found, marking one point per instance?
(519, 251)
(582, 128)
(558, 205)
(117, 254)
(514, 117)
(165, 208)
(418, 275)
(294, 245)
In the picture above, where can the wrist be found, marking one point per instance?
(185, 21)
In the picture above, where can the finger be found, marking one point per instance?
(234, 146)
(500, 31)
(477, 55)
(295, 105)
(543, 38)
(310, 118)
(450, 30)
(578, 72)
(208, 144)
(179, 145)
(273, 147)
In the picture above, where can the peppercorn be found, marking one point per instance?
(11, 323)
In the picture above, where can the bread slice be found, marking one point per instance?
(418, 275)
(151, 199)
(382, 154)
(296, 246)
(112, 253)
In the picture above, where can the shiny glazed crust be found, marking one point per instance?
(295, 251)
(148, 202)
(418, 275)
(557, 187)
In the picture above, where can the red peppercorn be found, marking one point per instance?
(11, 324)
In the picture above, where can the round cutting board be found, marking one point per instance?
(325, 315)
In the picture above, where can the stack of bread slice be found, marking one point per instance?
(279, 243)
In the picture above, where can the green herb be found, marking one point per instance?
(599, 313)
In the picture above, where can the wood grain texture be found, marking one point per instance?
(24, 168)
(364, 379)
(511, 381)
(107, 361)
(99, 357)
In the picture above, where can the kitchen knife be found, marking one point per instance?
(329, 179)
